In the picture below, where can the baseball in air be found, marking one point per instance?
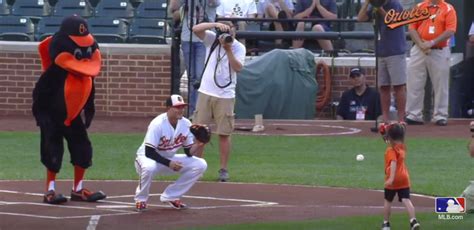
(360, 157)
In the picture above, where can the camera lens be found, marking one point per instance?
(228, 38)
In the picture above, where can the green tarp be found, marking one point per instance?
(280, 84)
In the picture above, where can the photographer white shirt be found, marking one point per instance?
(220, 68)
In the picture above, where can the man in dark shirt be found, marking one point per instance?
(391, 61)
(361, 102)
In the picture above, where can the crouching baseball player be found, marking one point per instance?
(166, 134)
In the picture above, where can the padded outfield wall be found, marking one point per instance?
(135, 79)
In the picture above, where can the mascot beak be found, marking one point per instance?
(85, 67)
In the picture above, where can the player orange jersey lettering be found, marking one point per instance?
(443, 18)
(397, 153)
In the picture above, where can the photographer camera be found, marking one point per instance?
(216, 94)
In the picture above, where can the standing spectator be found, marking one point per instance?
(315, 9)
(205, 10)
(430, 52)
(216, 97)
(276, 9)
(238, 9)
(391, 61)
(361, 102)
(166, 134)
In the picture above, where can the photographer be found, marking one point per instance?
(204, 11)
(216, 97)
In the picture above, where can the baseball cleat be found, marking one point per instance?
(86, 195)
(52, 198)
(140, 206)
(177, 204)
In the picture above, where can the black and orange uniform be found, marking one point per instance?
(70, 61)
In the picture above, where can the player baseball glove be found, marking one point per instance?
(202, 133)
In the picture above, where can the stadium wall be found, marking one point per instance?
(135, 79)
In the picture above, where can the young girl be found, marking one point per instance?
(397, 179)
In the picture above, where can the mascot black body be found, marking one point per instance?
(70, 61)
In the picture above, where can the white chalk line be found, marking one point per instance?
(119, 204)
(93, 222)
(349, 132)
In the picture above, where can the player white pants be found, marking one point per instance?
(193, 169)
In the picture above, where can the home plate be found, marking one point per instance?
(114, 206)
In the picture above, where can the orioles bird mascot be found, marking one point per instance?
(70, 60)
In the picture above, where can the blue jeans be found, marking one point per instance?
(194, 70)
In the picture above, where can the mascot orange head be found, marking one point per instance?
(72, 48)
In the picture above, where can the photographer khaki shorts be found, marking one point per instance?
(219, 110)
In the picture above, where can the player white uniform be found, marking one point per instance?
(167, 140)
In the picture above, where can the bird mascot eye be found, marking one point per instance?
(78, 54)
(89, 52)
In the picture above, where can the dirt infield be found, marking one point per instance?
(210, 204)
(456, 127)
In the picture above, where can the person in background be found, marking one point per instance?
(277, 9)
(216, 99)
(430, 53)
(205, 11)
(391, 58)
(326, 9)
(238, 9)
(361, 102)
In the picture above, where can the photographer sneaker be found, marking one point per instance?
(223, 175)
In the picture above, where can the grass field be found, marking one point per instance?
(438, 167)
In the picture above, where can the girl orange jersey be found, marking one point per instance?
(397, 153)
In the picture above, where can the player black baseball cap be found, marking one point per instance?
(175, 100)
(77, 29)
(356, 72)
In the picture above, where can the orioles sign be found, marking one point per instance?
(395, 19)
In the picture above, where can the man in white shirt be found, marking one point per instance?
(166, 134)
(216, 97)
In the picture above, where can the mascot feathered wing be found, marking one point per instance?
(70, 61)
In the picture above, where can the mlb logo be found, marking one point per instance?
(450, 205)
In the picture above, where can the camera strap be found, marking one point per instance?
(213, 47)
